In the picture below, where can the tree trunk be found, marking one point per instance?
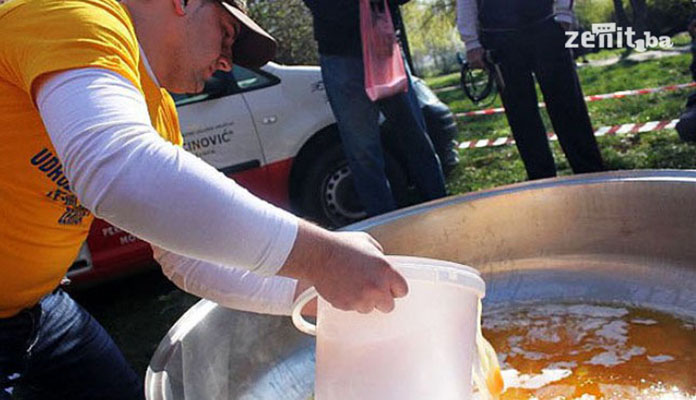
(640, 16)
(620, 13)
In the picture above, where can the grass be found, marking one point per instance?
(490, 167)
(681, 39)
(623, 75)
(139, 311)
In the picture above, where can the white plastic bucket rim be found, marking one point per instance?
(439, 272)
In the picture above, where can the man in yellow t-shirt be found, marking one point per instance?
(87, 127)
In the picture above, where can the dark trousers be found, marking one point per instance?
(358, 125)
(56, 350)
(539, 51)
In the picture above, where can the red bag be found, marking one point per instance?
(385, 75)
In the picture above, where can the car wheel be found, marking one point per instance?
(328, 195)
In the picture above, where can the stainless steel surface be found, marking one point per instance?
(623, 237)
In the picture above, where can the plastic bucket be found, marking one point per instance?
(422, 350)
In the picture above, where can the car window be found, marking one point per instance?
(223, 84)
(250, 80)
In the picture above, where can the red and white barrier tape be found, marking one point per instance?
(603, 131)
(445, 89)
(615, 95)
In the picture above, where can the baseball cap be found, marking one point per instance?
(253, 46)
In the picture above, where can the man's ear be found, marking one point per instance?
(180, 7)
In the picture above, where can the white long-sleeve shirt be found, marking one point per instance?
(125, 173)
(468, 22)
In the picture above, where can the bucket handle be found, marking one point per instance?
(300, 323)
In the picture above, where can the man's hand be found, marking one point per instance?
(348, 269)
(359, 277)
(475, 58)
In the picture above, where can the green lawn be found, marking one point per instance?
(490, 167)
(139, 311)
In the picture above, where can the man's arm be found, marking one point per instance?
(243, 290)
(125, 173)
(230, 287)
(348, 269)
(467, 23)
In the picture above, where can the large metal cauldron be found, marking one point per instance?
(627, 236)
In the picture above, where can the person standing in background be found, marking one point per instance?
(686, 127)
(337, 32)
(527, 39)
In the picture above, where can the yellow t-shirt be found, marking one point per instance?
(42, 223)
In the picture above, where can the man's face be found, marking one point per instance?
(206, 45)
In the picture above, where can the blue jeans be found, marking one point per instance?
(358, 125)
(56, 350)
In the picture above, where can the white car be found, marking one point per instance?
(273, 131)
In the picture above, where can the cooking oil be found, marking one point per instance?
(592, 351)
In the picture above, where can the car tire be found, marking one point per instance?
(328, 196)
